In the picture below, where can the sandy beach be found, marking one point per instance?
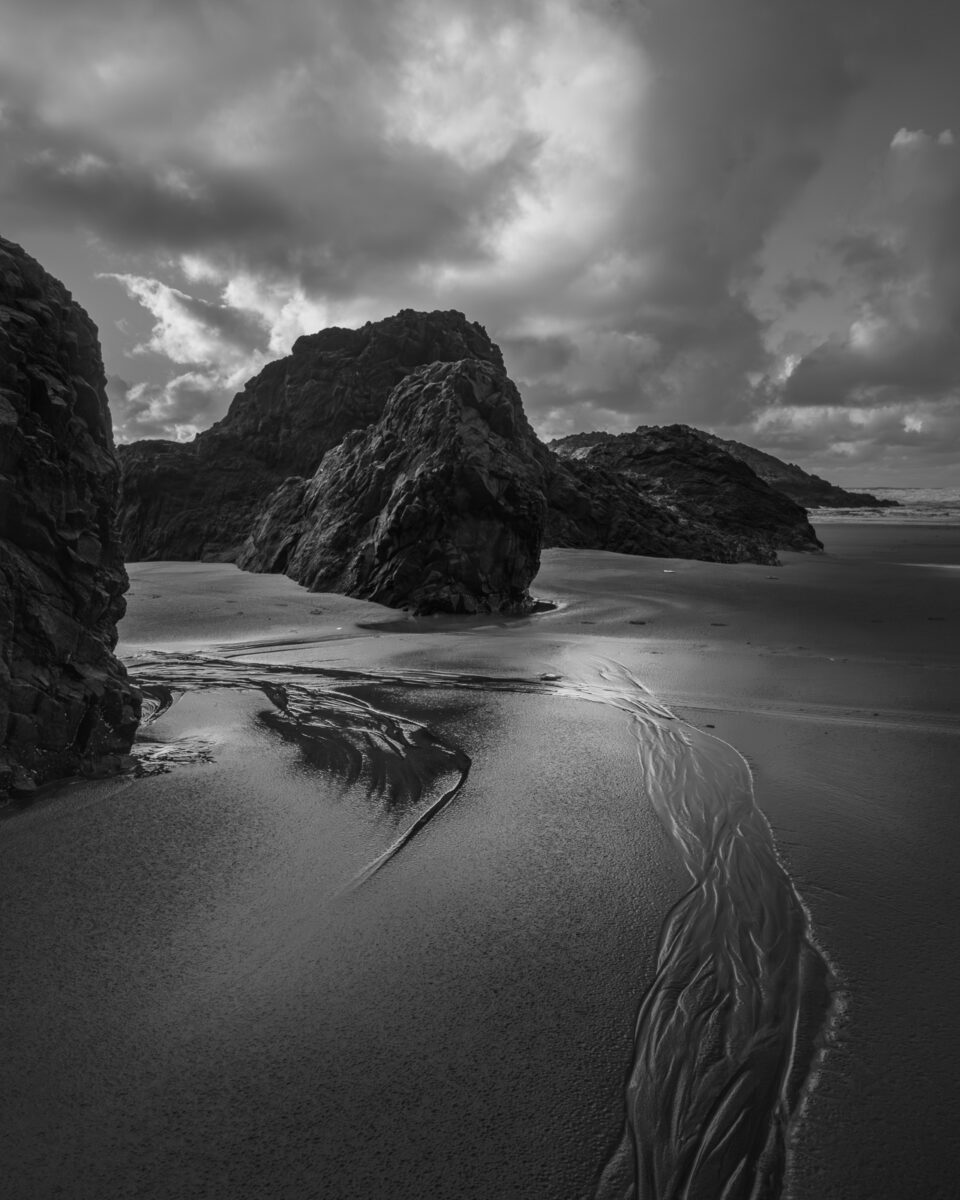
(247, 970)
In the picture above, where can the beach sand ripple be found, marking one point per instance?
(728, 1032)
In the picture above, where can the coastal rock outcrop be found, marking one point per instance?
(805, 488)
(439, 506)
(197, 500)
(66, 705)
(595, 508)
(671, 490)
(246, 490)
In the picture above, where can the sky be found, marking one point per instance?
(739, 214)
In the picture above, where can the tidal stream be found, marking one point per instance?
(729, 1031)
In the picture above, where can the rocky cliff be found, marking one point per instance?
(316, 427)
(439, 506)
(197, 500)
(672, 490)
(809, 490)
(66, 705)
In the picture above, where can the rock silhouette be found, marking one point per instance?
(672, 490)
(439, 506)
(308, 474)
(197, 500)
(66, 705)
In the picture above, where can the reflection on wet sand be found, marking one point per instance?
(728, 1032)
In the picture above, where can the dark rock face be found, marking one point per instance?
(66, 705)
(809, 490)
(198, 500)
(315, 472)
(669, 491)
(439, 506)
(595, 508)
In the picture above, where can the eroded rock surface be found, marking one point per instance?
(596, 508)
(669, 490)
(438, 507)
(66, 705)
(286, 459)
(197, 500)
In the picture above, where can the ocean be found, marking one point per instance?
(921, 506)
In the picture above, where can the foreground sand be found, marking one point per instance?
(201, 1002)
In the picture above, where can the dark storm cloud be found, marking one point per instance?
(166, 207)
(731, 126)
(864, 254)
(798, 288)
(239, 328)
(531, 357)
(593, 181)
(903, 344)
(902, 367)
(263, 134)
(387, 204)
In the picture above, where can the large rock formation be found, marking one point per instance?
(197, 500)
(66, 705)
(669, 491)
(310, 457)
(809, 490)
(438, 507)
(592, 507)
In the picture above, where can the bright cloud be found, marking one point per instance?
(594, 181)
(189, 330)
(902, 343)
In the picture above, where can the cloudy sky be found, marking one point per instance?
(742, 214)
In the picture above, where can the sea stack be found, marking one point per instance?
(327, 457)
(66, 704)
(197, 500)
(438, 507)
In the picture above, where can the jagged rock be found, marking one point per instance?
(809, 490)
(595, 508)
(66, 705)
(438, 507)
(671, 490)
(254, 471)
(197, 500)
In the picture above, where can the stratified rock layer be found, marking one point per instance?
(669, 491)
(809, 490)
(66, 705)
(438, 507)
(197, 500)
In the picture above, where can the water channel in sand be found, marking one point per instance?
(211, 989)
(728, 1031)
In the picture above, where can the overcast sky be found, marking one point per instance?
(741, 214)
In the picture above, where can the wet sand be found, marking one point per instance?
(204, 1000)
(839, 680)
